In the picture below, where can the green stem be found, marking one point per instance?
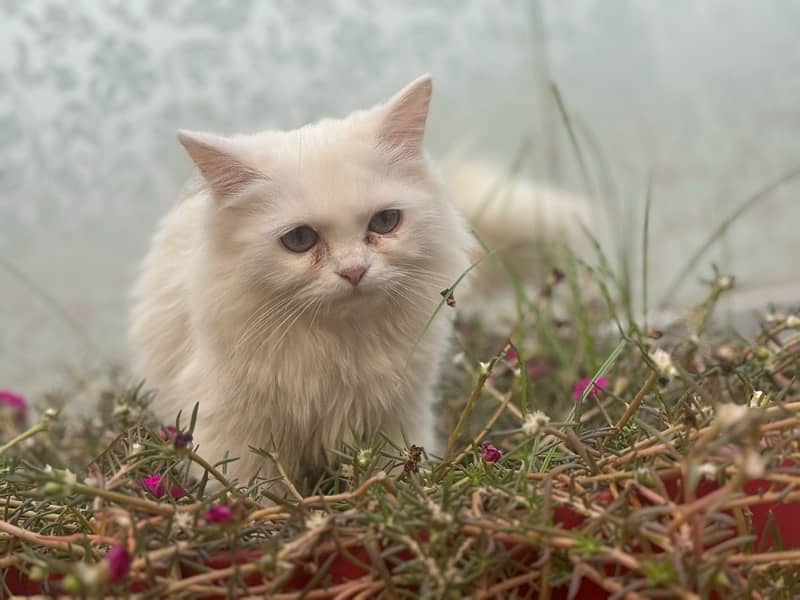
(462, 419)
(123, 499)
(38, 428)
(208, 467)
(637, 401)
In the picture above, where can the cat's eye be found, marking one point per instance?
(385, 221)
(300, 239)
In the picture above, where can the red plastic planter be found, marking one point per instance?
(785, 518)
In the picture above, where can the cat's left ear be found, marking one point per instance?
(402, 119)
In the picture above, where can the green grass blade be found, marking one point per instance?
(750, 202)
(645, 246)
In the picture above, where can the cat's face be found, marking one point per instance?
(335, 224)
(338, 215)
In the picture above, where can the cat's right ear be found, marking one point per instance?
(227, 176)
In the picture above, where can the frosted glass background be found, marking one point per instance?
(702, 96)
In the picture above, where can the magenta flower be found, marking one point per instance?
(168, 433)
(511, 355)
(119, 562)
(155, 485)
(580, 387)
(219, 513)
(536, 368)
(490, 453)
(16, 404)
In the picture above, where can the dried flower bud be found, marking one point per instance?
(447, 294)
(535, 422)
(726, 356)
(316, 519)
(654, 334)
(725, 282)
(729, 414)
(183, 440)
(414, 457)
(663, 363)
(183, 521)
(757, 399)
(707, 471)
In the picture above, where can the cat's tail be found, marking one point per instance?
(528, 225)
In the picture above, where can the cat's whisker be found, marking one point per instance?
(316, 314)
(431, 297)
(411, 299)
(262, 318)
(267, 319)
(308, 304)
(259, 312)
(424, 280)
(286, 316)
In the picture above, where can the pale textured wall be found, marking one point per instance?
(702, 95)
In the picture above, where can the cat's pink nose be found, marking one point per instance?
(353, 274)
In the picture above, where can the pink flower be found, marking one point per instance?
(582, 384)
(490, 453)
(16, 404)
(180, 439)
(511, 355)
(219, 513)
(536, 368)
(119, 562)
(155, 485)
(168, 433)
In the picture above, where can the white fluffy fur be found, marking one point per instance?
(519, 220)
(280, 351)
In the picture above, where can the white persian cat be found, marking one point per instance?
(291, 294)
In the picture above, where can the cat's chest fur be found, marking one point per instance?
(330, 384)
(304, 369)
(325, 368)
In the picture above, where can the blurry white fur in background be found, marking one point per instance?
(527, 225)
